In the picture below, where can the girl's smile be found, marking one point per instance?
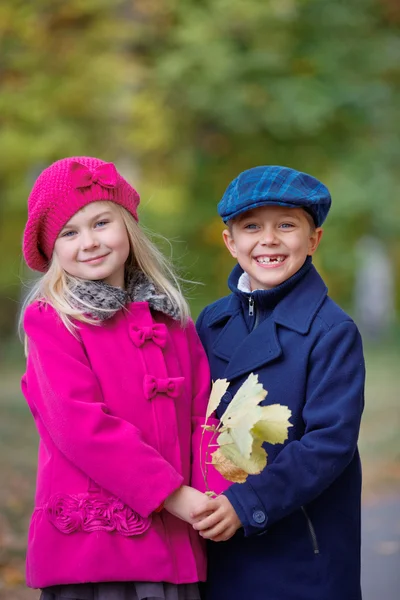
(271, 243)
(95, 260)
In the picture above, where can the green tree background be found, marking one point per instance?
(185, 95)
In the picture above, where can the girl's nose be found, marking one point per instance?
(88, 240)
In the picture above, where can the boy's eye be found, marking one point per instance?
(286, 225)
(251, 226)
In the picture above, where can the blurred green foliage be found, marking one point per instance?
(185, 95)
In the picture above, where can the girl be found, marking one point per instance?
(117, 383)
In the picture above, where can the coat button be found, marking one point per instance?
(259, 516)
(223, 405)
(226, 398)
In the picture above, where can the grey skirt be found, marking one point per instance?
(139, 590)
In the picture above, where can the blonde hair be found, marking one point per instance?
(56, 286)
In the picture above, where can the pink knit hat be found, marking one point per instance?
(59, 192)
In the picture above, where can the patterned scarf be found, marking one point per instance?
(105, 300)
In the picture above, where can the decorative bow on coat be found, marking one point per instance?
(172, 386)
(157, 333)
(105, 175)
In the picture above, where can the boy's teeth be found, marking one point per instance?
(266, 259)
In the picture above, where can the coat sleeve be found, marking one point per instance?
(332, 412)
(64, 394)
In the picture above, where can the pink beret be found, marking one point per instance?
(59, 192)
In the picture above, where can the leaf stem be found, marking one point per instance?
(204, 471)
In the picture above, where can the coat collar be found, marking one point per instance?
(247, 351)
(102, 301)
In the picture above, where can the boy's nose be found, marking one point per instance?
(268, 237)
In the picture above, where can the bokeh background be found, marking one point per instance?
(182, 96)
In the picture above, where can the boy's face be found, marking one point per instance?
(271, 243)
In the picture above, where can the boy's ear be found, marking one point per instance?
(315, 239)
(229, 242)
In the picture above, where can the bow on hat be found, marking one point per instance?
(157, 333)
(171, 386)
(105, 175)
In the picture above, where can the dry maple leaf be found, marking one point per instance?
(227, 469)
(244, 427)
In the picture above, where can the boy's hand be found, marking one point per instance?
(184, 501)
(219, 526)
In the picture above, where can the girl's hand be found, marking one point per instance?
(221, 524)
(184, 501)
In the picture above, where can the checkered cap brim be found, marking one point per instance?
(274, 185)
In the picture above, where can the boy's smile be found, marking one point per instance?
(271, 243)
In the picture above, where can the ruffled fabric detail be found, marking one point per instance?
(92, 513)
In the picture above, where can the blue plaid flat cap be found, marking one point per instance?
(273, 185)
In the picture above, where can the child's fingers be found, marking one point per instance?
(225, 535)
(201, 517)
(219, 538)
(214, 532)
(208, 522)
(204, 509)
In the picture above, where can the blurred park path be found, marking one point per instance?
(381, 549)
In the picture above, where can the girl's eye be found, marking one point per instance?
(68, 234)
(101, 223)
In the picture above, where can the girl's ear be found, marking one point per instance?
(314, 240)
(229, 242)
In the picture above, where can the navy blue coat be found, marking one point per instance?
(301, 516)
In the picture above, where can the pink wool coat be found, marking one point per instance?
(117, 410)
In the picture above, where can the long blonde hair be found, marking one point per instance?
(56, 286)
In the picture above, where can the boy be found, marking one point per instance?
(293, 531)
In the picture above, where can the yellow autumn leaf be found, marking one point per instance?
(252, 465)
(227, 469)
(242, 432)
(248, 396)
(273, 424)
(243, 413)
(244, 427)
(219, 388)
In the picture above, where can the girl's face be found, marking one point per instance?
(94, 244)
(271, 243)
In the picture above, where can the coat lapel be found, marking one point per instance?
(246, 351)
(258, 348)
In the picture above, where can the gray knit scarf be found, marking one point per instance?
(101, 296)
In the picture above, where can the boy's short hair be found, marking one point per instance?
(274, 185)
